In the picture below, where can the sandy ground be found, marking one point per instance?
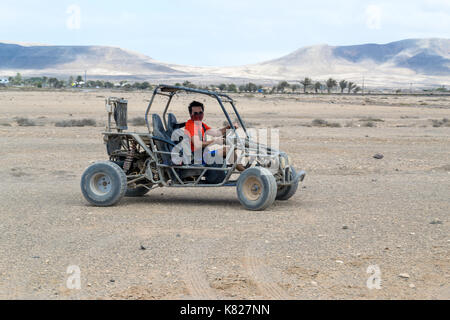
(352, 211)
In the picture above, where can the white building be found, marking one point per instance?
(4, 81)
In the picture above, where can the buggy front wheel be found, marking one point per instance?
(288, 191)
(256, 188)
(104, 184)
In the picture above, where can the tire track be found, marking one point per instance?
(259, 273)
(194, 274)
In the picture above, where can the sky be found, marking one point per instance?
(220, 33)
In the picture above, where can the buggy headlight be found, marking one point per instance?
(284, 160)
(282, 163)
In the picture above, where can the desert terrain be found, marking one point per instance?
(352, 211)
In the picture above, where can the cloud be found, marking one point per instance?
(73, 22)
(373, 17)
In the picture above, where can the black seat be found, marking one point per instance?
(162, 141)
(172, 124)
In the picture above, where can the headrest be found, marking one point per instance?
(158, 127)
(172, 121)
(172, 124)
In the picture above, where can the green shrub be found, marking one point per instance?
(25, 122)
(441, 123)
(371, 119)
(324, 123)
(369, 124)
(138, 122)
(76, 123)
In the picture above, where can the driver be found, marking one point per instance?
(196, 129)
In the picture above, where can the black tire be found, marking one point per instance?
(286, 192)
(136, 192)
(104, 184)
(256, 188)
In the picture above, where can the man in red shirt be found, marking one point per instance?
(196, 129)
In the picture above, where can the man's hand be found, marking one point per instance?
(219, 141)
(224, 130)
(236, 125)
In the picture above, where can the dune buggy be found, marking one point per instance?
(140, 162)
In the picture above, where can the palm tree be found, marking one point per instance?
(282, 86)
(189, 84)
(317, 86)
(331, 83)
(52, 82)
(351, 86)
(307, 82)
(343, 84)
(294, 87)
(17, 79)
(232, 88)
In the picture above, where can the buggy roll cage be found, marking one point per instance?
(170, 91)
(140, 162)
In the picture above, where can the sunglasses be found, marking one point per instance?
(198, 113)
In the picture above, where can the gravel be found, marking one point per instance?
(200, 243)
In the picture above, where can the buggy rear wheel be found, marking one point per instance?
(104, 184)
(256, 188)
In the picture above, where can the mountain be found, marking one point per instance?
(419, 61)
(71, 60)
(429, 56)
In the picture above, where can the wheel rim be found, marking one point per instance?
(100, 184)
(252, 188)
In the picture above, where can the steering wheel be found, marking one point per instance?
(239, 140)
(231, 138)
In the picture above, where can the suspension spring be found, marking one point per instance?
(130, 157)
